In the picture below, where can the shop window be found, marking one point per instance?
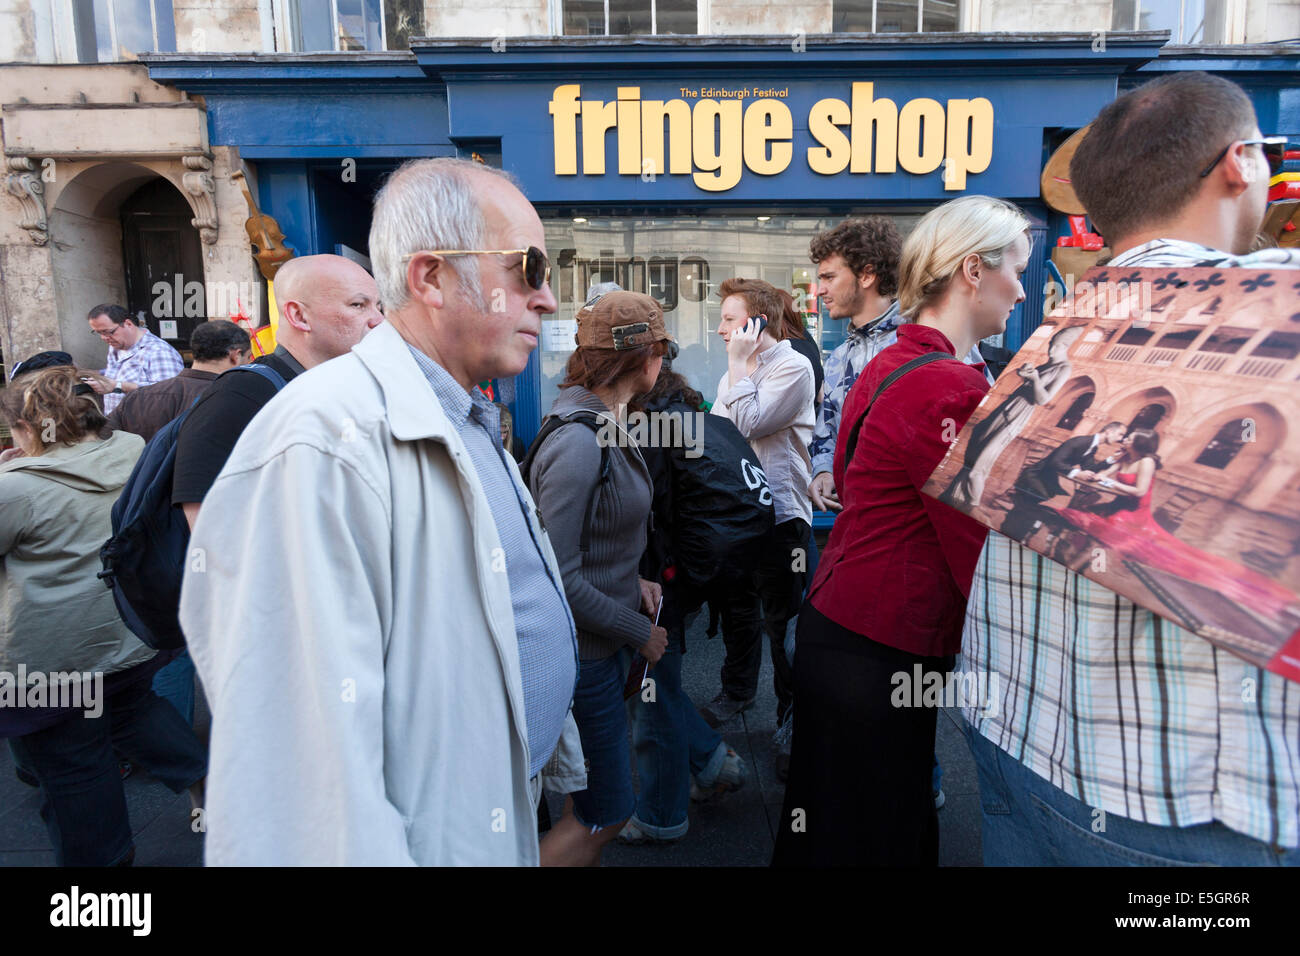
(695, 279)
(1074, 414)
(1149, 417)
(662, 273)
(1224, 446)
(1180, 339)
(111, 30)
(1279, 345)
(354, 25)
(1226, 340)
(680, 260)
(1136, 335)
(630, 17)
(1188, 21)
(896, 16)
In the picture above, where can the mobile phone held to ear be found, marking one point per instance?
(762, 322)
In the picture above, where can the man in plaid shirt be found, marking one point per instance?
(136, 356)
(1117, 737)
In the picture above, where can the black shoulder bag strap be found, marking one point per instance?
(890, 379)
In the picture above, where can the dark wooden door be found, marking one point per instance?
(164, 261)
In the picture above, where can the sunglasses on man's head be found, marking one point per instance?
(1274, 148)
(537, 268)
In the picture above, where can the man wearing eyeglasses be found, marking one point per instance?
(1123, 739)
(381, 623)
(136, 356)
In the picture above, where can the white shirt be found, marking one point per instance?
(773, 408)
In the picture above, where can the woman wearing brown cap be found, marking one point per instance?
(594, 492)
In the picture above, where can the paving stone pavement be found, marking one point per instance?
(736, 830)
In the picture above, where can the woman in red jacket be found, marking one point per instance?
(886, 606)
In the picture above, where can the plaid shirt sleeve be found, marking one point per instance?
(839, 379)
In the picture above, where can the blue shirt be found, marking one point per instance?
(548, 643)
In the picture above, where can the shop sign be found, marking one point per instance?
(711, 134)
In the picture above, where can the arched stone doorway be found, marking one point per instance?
(89, 255)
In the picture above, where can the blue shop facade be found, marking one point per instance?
(670, 164)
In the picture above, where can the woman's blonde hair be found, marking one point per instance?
(55, 405)
(946, 235)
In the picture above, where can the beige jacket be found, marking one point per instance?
(354, 630)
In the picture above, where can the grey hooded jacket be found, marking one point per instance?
(55, 614)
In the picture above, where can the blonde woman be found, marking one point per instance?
(861, 763)
(55, 505)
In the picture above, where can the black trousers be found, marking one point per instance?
(860, 768)
(778, 587)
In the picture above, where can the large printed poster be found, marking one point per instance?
(1147, 435)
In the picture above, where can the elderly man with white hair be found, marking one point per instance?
(380, 621)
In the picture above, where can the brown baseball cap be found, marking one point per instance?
(621, 320)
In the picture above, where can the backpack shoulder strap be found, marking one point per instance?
(890, 379)
(551, 425)
(268, 373)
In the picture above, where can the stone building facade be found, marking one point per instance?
(87, 134)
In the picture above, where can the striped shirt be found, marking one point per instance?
(1117, 706)
(548, 642)
(150, 360)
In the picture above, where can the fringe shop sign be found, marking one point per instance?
(714, 137)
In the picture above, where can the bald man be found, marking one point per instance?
(327, 303)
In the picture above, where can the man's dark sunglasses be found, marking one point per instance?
(1274, 148)
(537, 268)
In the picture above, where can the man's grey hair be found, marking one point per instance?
(428, 204)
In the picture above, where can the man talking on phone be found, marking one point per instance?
(767, 393)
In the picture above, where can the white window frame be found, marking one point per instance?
(284, 11)
(701, 18)
(1234, 10)
(962, 14)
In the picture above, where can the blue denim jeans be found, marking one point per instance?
(1030, 822)
(84, 805)
(601, 715)
(175, 684)
(671, 741)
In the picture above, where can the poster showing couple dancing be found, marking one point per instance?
(1147, 436)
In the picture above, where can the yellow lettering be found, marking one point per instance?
(629, 130)
(718, 157)
(920, 135)
(678, 113)
(970, 140)
(565, 107)
(881, 114)
(597, 118)
(768, 121)
(824, 122)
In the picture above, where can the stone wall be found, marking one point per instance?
(17, 32)
(50, 277)
(475, 18)
(1041, 16)
(217, 26)
(1268, 21)
(762, 16)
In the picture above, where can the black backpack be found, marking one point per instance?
(144, 561)
(718, 505)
